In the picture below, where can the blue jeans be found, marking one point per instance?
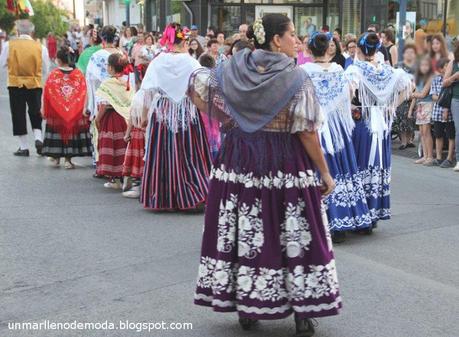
(455, 112)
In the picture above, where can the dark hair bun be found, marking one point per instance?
(118, 62)
(65, 56)
(273, 24)
(108, 34)
(318, 44)
(369, 44)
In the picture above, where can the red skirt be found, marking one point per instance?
(135, 152)
(112, 147)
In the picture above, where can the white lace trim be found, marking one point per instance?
(277, 180)
(270, 311)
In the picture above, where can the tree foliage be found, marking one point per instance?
(6, 18)
(48, 18)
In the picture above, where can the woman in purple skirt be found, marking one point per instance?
(266, 251)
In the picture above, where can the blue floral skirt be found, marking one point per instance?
(375, 170)
(347, 207)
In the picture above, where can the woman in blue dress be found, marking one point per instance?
(347, 206)
(379, 90)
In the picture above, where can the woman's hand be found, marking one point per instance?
(328, 184)
(127, 137)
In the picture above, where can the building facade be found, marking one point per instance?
(352, 16)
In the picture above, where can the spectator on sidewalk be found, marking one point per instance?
(194, 34)
(334, 52)
(442, 120)
(452, 79)
(422, 105)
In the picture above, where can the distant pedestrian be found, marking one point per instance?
(442, 120)
(421, 107)
(52, 46)
(28, 63)
(406, 125)
(452, 80)
(67, 128)
(334, 52)
(195, 49)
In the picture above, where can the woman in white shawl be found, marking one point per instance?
(347, 206)
(380, 89)
(96, 73)
(177, 163)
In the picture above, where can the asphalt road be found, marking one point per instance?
(72, 251)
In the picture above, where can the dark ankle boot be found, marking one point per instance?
(338, 237)
(247, 323)
(304, 327)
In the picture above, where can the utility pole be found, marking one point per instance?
(128, 12)
(74, 10)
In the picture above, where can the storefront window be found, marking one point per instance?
(351, 16)
(226, 18)
(333, 14)
(308, 20)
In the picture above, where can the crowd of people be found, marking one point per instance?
(284, 140)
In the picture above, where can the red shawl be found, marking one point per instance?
(64, 100)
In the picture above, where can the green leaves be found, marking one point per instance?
(48, 18)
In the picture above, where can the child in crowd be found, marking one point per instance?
(207, 61)
(67, 129)
(135, 152)
(442, 120)
(114, 98)
(422, 104)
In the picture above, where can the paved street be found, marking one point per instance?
(71, 250)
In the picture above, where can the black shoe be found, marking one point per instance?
(304, 327)
(410, 145)
(403, 147)
(247, 323)
(338, 237)
(39, 146)
(22, 153)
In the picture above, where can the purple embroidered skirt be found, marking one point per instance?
(266, 250)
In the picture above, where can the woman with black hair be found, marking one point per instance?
(177, 162)
(96, 73)
(347, 208)
(266, 249)
(67, 129)
(380, 90)
(334, 52)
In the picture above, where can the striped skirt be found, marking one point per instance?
(111, 145)
(79, 145)
(135, 152)
(177, 166)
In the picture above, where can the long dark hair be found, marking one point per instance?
(273, 24)
(199, 51)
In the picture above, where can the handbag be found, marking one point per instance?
(445, 97)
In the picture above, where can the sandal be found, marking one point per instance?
(69, 165)
(420, 161)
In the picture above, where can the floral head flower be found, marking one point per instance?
(259, 31)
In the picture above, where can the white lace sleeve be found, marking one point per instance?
(307, 113)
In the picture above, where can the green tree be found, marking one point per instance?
(6, 18)
(48, 18)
